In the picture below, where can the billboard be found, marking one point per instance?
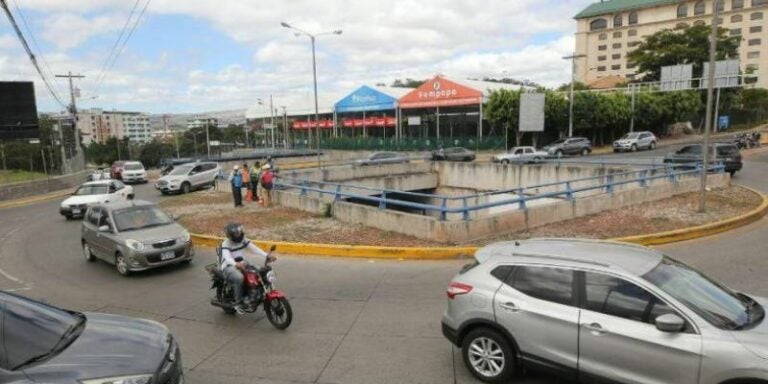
(18, 111)
(532, 112)
(676, 77)
(726, 74)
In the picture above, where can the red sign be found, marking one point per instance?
(371, 122)
(348, 123)
(440, 92)
(303, 124)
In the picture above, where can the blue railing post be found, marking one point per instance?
(303, 188)
(721, 167)
(337, 195)
(609, 183)
(382, 202)
(699, 167)
(643, 178)
(443, 205)
(521, 197)
(670, 174)
(465, 213)
(568, 191)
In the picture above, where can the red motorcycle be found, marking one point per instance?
(258, 288)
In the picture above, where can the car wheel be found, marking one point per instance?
(121, 265)
(87, 252)
(585, 151)
(164, 192)
(559, 153)
(68, 217)
(633, 148)
(488, 355)
(652, 146)
(186, 261)
(505, 161)
(186, 187)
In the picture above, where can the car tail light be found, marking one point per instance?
(455, 289)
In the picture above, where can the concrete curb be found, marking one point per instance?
(446, 253)
(22, 202)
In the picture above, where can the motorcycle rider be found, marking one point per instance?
(233, 262)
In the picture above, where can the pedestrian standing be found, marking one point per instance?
(247, 182)
(255, 176)
(267, 183)
(237, 184)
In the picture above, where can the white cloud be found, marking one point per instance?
(69, 30)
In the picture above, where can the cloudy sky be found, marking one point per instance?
(207, 55)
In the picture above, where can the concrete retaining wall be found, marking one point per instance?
(41, 187)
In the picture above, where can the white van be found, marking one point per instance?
(134, 172)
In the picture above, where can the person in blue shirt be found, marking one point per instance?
(237, 184)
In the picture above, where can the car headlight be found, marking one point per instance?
(185, 237)
(136, 379)
(135, 245)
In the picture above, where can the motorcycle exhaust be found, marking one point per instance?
(219, 304)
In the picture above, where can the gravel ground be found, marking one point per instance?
(208, 212)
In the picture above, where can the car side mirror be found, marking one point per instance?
(105, 228)
(130, 196)
(670, 322)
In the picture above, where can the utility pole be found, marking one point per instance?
(272, 121)
(208, 139)
(572, 58)
(73, 109)
(285, 127)
(708, 119)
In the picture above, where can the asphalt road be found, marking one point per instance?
(356, 321)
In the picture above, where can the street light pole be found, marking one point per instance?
(572, 58)
(708, 119)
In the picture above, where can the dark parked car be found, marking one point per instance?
(569, 146)
(45, 344)
(691, 155)
(453, 154)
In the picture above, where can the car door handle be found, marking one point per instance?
(596, 329)
(509, 306)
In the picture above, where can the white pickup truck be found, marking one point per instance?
(520, 155)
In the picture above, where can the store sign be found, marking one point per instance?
(440, 92)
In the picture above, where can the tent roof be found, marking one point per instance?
(367, 98)
(439, 92)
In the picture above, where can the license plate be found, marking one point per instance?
(167, 255)
(76, 211)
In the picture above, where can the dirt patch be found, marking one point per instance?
(208, 212)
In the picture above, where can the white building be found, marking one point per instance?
(97, 125)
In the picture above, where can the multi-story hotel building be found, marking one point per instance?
(608, 30)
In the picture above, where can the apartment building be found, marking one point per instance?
(202, 122)
(608, 30)
(97, 125)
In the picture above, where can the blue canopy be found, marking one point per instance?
(366, 98)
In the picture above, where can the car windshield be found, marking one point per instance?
(140, 217)
(717, 304)
(133, 167)
(85, 190)
(558, 142)
(180, 171)
(633, 135)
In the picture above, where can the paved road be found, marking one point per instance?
(356, 321)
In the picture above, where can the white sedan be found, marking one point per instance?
(92, 192)
(520, 155)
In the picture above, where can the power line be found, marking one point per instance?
(34, 42)
(122, 47)
(112, 51)
(29, 52)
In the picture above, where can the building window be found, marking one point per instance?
(632, 32)
(631, 65)
(699, 22)
(736, 32)
(753, 42)
(699, 8)
(602, 58)
(737, 4)
(752, 68)
(603, 36)
(617, 35)
(618, 21)
(753, 55)
(756, 29)
(616, 56)
(616, 46)
(602, 47)
(616, 67)
(598, 24)
(720, 5)
(682, 11)
(601, 68)
(633, 44)
(632, 18)
(757, 3)
(756, 16)
(737, 18)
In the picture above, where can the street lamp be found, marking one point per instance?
(572, 58)
(312, 38)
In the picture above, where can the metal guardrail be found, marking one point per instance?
(606, 183)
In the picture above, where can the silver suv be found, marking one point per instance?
(188, 177)
(602, 311)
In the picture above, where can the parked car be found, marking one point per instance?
(133, 171)
(116, 170)
(520, 154)
(569, 146)
(635, 141)
(603, 312)
(134, 236)
(188, 177)
(378, 158)
(99, 174)
(92, 192)
(453, 154)
(45, 344)
(691, 155)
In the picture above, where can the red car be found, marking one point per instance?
(116, 172)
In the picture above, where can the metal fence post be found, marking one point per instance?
(337, 195)
(382, 203)
(465, 213)
(443, 214)
(670, 174)
(698, 169)
(643, 178)
(568, 191)
(609, 183)
(521, 197)
(303, 188)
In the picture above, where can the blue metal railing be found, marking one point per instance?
(605, 183)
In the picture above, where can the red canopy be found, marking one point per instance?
(440, 92)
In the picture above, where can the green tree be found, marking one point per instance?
(502, 109)
(680, 46)
(152, 152)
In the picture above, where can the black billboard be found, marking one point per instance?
(18, 111)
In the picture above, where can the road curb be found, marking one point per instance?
(22, 202)
(447, 253)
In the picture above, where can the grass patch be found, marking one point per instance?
(16, 176)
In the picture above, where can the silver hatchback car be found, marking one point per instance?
(134, 236)
(601, 311)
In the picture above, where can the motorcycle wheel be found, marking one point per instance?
(279, 313)
(220, 297)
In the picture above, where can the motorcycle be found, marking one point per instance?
(258, 289)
